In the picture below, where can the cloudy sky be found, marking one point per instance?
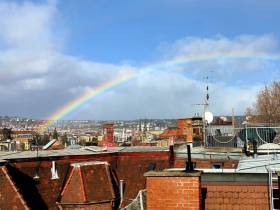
(51, 52)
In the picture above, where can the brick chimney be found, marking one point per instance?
(108, 135)
(173, 190)
(108, 132)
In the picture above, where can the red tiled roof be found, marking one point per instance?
(45, 192)
(173, 132)
(89, 182)
(9, 195)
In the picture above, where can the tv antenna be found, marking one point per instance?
(207, 116)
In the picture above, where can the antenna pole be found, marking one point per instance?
(205, 109)
(233, 119)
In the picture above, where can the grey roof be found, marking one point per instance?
(143, 149)
(260, 164)
(213, 153)
(82, 151)
(269, 146)
(75, 146)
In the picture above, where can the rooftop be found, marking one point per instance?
(210, 153)
(260, 164)
(82, 151)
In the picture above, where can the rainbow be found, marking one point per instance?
(84, 98)
(130, 74)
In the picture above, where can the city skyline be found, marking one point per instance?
(53, 52)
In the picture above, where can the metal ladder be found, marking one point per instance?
(273, 178)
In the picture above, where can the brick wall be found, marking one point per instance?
(104, 206)
(173, 190)
(200, 163)
(235, 196)
(233, 191)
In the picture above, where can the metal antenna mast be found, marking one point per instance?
(206, 104)
(205, 109)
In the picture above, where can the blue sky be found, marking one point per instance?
(53, 51)
(113, 31)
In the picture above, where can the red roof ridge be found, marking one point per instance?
(67, 182)
(87, 163)
(82, 185)
(110, 179)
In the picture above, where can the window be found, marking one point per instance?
(217, 165)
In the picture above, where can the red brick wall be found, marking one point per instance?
(235, 196)
(132, 169)
(199, 163)
(173, 193)
(104, 206)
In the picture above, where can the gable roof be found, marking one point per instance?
(89, 182)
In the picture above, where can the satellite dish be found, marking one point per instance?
(208, 116)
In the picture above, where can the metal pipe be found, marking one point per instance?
(189, 164)
(189, 154)
(141, 200)
(255, 150)
(121, 191)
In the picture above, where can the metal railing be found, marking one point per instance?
(227, 136)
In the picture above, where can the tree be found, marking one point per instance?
(55, 134)
(40, 140)
(267, 106)
(64, 139)
(7, 133)
(36, 139)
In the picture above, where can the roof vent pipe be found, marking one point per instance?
(189, 163)
(54, 171)
(255, 149)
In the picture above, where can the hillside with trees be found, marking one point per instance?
(267, 106)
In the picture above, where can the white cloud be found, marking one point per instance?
(27, 25)
(33, 84)
(221, 46)
(35, 71)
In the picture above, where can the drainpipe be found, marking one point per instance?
(141, 201)
(121, 191)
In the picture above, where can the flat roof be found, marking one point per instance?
(210, 153)
(82, 151)
(262, 163)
